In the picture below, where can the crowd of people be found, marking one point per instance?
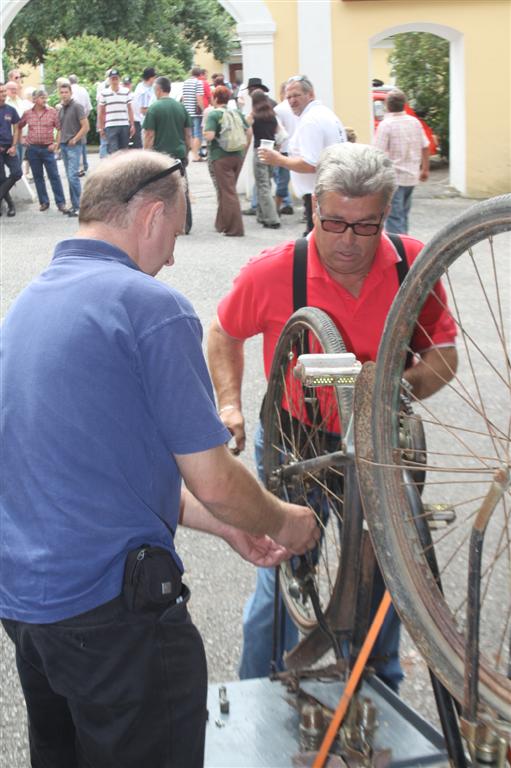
(282, 141)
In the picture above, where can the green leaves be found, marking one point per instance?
(420, 64)
(173, 27)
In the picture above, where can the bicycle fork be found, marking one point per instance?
(484, 740)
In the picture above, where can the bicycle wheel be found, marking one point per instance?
(468, 426)
(301, 424)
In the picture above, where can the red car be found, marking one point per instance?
(379, 96)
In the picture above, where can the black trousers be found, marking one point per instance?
(114, 689)
(307, 205)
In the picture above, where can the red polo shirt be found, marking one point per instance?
(261, 301)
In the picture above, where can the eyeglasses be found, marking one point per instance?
(338, 226)
(177, 166)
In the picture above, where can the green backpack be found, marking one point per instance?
(233, 134)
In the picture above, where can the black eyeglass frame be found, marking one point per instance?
(177, 166)
(346, 225)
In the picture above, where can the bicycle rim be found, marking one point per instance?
(313, 430)
(468, 426)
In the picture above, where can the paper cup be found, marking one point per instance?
(266, 144)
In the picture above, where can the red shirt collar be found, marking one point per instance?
(386, 257)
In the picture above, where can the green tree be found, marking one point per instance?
(89, 57)
(420, 65)
(174, 26)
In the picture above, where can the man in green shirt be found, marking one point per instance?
(168, 128)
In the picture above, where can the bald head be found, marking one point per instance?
(105, 195)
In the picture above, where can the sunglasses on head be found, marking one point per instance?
(177, 166)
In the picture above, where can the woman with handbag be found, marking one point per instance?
(265, 127)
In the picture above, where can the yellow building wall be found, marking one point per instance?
(285, 16)
(380, 66)
(204, 59)
(486, 31)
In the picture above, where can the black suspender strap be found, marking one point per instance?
(300, 274)
(402, 266)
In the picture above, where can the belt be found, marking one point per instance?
(40, 145)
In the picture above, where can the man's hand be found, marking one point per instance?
(233, 419)
(258, 550)
(132, 130)
(269, 156)
(300, 531)
(12, 150)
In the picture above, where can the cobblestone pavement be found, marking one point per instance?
(205, 266)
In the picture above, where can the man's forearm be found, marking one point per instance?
(435, 369)
(148, 139)
(229, 492)
(226, 362)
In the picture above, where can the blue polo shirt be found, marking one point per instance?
(8, 118)
(103, 380)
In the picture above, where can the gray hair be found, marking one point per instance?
(73, 79)
(303, 81)
(105, 191)
(355, 170)
(39, 92)
(395, 101)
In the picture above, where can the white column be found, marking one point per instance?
(257, 51)
(315, 47)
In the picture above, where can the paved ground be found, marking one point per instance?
(205, 265)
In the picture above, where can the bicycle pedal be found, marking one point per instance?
(439, 515)
(339, 369)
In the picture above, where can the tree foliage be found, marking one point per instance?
(420, 65)
(89, 57)
(173, 26)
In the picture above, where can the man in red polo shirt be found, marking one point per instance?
(352, 275)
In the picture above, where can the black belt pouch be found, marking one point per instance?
(152, 579)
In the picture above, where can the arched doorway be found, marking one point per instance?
(457, 117)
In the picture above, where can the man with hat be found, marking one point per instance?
(115, 114)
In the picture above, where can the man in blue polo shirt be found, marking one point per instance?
(106, 407)
(8, 140)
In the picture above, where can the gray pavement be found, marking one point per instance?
(205, 265)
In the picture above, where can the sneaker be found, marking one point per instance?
(73, 212)
(287, 210)
(271, 226)
(249, 212)
(82, 173)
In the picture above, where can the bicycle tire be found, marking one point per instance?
(468, 437)
(309, 435)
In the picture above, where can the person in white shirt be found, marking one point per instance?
(317, 128)
(143, 97)
(288, 121)
(81, 96)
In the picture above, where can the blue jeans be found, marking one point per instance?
(71, 157)
(197, 127)
(15, 173)
(117, 138)
(85, 161)
(103, 147)
(258, 621)
(41, 158)
(397, 220)
(281, 177)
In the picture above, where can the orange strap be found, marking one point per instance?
(353, 681)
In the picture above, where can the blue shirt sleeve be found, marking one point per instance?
(178, 386)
